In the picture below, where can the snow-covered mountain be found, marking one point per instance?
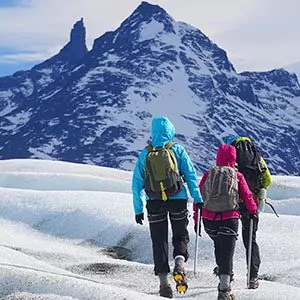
(96, 106)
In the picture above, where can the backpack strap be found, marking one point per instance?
(241, 139)
(235, 142)
(149, 148)
(167, 146)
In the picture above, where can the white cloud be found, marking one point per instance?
(25, 57)
(262, 34)
(48, 23)
(266, 37)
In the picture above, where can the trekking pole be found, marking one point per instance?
(249, 251)
(197, 240)
(275, 212)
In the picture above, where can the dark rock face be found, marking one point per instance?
(119, 253)
(76, 48)
(96, 106)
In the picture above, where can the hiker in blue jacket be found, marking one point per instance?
(158, 210)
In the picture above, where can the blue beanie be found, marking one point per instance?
(229, 139)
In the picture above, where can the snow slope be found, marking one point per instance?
(57, 218)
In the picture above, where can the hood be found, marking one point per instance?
(226, 156)
(163, 131)
(229, 139)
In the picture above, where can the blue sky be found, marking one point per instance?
(257, 35)
(7, 3)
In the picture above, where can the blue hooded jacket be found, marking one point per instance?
(163, 131)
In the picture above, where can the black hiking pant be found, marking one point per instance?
(255, 256)
(158, 213)
(224, 235)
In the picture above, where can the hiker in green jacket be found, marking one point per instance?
(251, 164)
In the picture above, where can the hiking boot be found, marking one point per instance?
(179, 264)
(166, 291)
(254, 283)
(225, 295)
(216, 273)
(178, 270)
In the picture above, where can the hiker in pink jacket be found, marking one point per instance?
(222, 226)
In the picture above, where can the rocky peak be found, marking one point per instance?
(73, 51)
(146, 13)
(130, 29)
(77, 35)
(76, 48)
(148, 10)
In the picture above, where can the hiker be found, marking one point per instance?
(258, 177)
(222, 187)
(163, 202)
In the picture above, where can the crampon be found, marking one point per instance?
(181, 283)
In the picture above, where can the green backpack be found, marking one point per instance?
(162, 178)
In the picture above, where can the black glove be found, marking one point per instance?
(199, 205)
(253, 216)
(139, 218)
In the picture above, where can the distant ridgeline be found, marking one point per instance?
(96, 106)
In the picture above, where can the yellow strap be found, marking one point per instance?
(163, 193)
(169, 145)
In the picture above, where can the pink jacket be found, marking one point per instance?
(226, 156)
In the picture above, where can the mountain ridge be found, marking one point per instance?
(96, 106)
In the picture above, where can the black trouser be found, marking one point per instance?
(158, 211)
(255, 257)
(224, 235)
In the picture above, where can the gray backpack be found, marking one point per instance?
(220, 190)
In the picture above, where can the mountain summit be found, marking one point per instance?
(96, 106)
